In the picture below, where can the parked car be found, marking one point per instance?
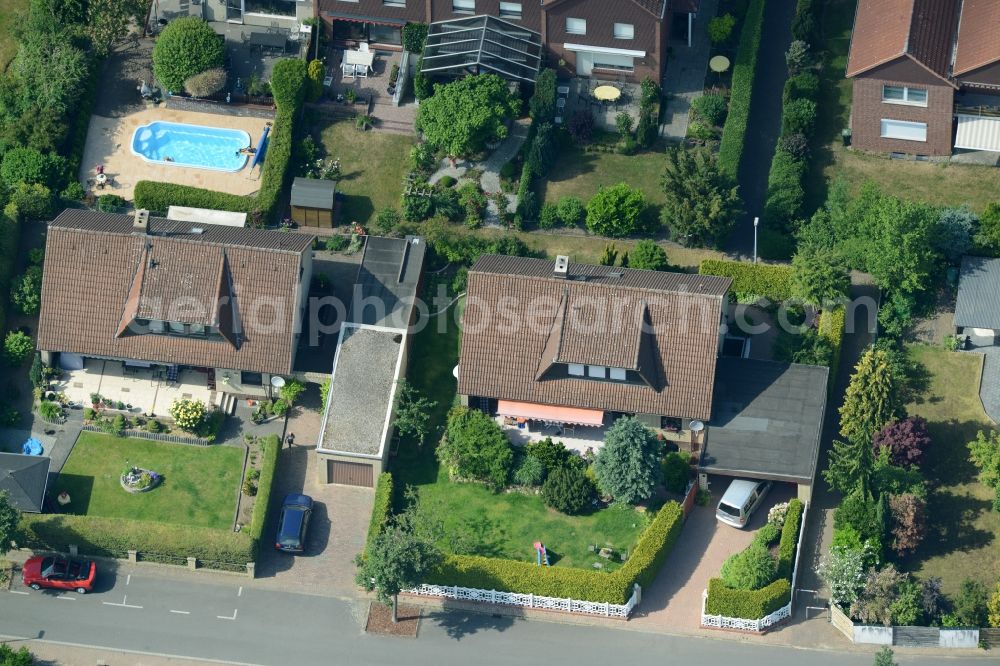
(59, 573)
(293, 523)
(740, 500)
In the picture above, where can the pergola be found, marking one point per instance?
(480, 44)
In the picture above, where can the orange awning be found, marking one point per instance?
(530, 410)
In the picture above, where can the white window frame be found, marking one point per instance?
(576, 369)
(906, 101)
(463, 6)
(903, 124)
(618, 374)
(570, 21)
(624, 31)
(512, 10)
(395, 3)
(597, 371)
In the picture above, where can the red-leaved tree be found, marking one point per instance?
(906, 439)
(909, 522)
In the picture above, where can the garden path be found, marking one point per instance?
(684, 75)
(989, 387)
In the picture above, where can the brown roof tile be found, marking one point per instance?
(522, 324)
(656, 7)
(99, 276)
(978, 36)
(885, 30)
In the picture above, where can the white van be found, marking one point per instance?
(742, 497)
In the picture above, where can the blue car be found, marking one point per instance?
(293, 523)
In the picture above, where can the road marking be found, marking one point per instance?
(66, 596)
(18, 592)
(128, 579)
(240, 593)
(802, 589)
(118, 649)
(123, 604)
(226, 617)
(181, 612)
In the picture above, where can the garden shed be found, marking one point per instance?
(24, 478)
(312, 202)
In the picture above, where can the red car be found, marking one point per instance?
(59, 573)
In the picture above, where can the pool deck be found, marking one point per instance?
(109, 143)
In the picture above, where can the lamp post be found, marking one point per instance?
(756, 221)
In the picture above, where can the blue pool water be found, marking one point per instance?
(191, 145)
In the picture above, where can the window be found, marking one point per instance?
(196, 329)
(394, 3)
(619, 63)
(155, 326)
(618, 374)
(904, 95)
(624, 31)
(463, 6)
(904, 129)
(510, 10)
(176, 327)
(575, 26)
(251, 379)
(576, 370)
(597, 371)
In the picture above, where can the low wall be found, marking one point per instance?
(959, 638)
(879, 635)
(872, 634)
(532, 601)
(841, 622)
(220, 108)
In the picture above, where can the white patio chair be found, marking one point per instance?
(349, 71)
(363, 47)
(361, 71)
(561, 103)
(563, 90)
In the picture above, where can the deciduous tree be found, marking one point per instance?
(108, 21)
(10, 518)
(909, 522)
(397, 560)
(906, 439)
(615, 211)
(649, 256)
(465, 115)
(819, 276)
(413, 412)
(187, 46)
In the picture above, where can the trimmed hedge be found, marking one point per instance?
(10, 233)
(271, 446)
(744, 71)
(831, 327)
(381, 510)
(789, 538)
(647, 557)
(747, 604)
(752, 281)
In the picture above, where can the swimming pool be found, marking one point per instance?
(191, 145)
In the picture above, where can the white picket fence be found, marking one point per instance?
(531, 600)
(758, 626)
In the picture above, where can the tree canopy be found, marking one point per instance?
(628, 465)
(462, 117)
(616, 210)
(702, 202)
(872, 397)
(10, 518)
(819, 275)
(187, 46)
(649, 256)
(397, 559)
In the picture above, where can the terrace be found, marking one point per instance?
(599, 98)
(370, 87)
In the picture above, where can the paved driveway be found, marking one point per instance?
(336, 534)
(673, 602)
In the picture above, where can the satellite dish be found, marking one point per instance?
(277, 382)
(455, 372)
(696, 426)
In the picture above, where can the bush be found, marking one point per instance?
(804, 85)
(766, 535)
(386, 222)
(414, 36)
(542, 105)
(720, 28)
(647, 255)
(447, 204)
(187, 46)
(789, 538)
(752, 281)
(798, 117)
(647, 130)
(152, 425)
(581, 126)
(906, 439)
(552, 455)
(909, 522)
(750, 569)
(646, 559)
(270, 448)
(676, 472)
(744, 71)
(417, 208)
(548, 218)
(447, 181)
(572, 211)
(747, 604)
(26, 291)
(710, 108)
(969, 607)
(188, 414)
(50, 411)
(111, 203)
(213, 80)
(381, 510)
(30, 201)
(423, 160)
(797, 57)
(616, 210)
(804, 23)
(476, 448)
(422, 86)
(27, 165)
(316, 72)
(474, 202)
(17, 347)
(530, 472)
(785, 194)
(568, 490)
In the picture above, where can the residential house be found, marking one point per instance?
(143, 309)
(926, 76)
(627, 38)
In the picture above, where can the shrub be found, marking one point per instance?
(767, 535)
(568, 490)
(187, 46)
(188, 414)
(647, 130)
(906, 440)
(89, 413)
(710, 108)
(474, 202)
(744, 71)
(752, 281)
(26, 291)
(152, 425)
(386, 222)
(874, 604)
(797, 57)
(804, 23)
(476, 448)
(381, 510)
(447, 181)
(548, 218)
(676, 472)
(17, 347)
(414, 36)
(110, 203)
(417, 208)
(798, 117)
(572, 211)
(628, 465)
(30, 201)
(530, 472)
(552, 455)
(447, 204)
(647, 255)
(789, 538)
(623, 122)
(50, 411)
(785, 195)
(423, 159)
(750, 569)
(542, 105)
(422, 86)
(993, 608)
(616, 210)
(720, 28)
(649, 94)
(581, 126)
(969, 607)
(213, 80)
(748, 604)
(909, 522)
(795, 145)
(802, 85)
(27, 165)
(270, 448)
(315, 71)
(628, 146)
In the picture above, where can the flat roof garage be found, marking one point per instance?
(767, 420)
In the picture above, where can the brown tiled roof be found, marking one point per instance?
(885, 30)
(522, 323)
(978, 36)
(99, 276)
(656, 7)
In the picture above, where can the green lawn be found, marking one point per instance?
(494, 525)
(580, 174)
(963, 538)
(199, 482)
(373, 165)
(8, 12)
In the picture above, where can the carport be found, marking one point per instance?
(767, 419)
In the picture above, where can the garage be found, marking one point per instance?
(350, 474)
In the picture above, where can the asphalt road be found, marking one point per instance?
(249, 625)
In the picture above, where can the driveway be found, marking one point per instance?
(673, 602)
(337, 531)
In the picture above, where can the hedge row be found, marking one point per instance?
(382, 509)
(789, 538)
(270, 448)
(747, 604)
(288, 85)
(647, 557)
(10, 233)
(542, 106)
(741, 91)
(831, 327)
(752, 281)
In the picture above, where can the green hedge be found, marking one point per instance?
(744, 70)
(271, 447)
(114, 537)
(752, 281)
(831, 327)
(789, 538)
(647, 557)
(288, 85)
(10, 233)
(747, 604)
(381, 510)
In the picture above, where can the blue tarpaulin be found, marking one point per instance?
(258, 156)
(32, 447)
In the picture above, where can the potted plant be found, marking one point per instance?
(351, 95)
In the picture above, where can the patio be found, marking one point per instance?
(581, 97)
(371, 89)
(576, 438)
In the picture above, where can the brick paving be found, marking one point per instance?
(684, 75)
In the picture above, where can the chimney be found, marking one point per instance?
(140, 221)
(562, 266)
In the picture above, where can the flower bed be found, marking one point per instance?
(139, 480)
